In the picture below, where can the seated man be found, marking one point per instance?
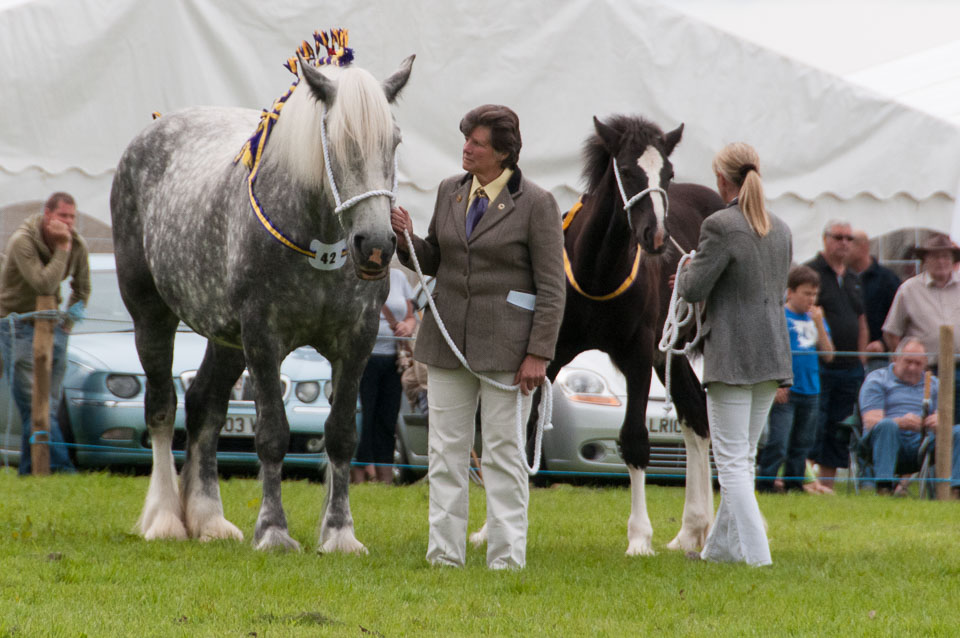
(890, 407)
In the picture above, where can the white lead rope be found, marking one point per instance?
(546, 394)
(679, 314)
(342, 206)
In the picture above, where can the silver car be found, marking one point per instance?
(589, 401)
(103, 391)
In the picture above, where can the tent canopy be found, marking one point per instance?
(81, 78)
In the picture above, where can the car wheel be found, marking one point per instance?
(402, 470)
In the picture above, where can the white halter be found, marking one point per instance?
(342, 206)
(628, 203)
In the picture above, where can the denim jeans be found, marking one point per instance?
(791, 433)
(17, 350)
(895, 452)
(839, 389)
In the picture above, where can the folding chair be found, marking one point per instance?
(861, 454)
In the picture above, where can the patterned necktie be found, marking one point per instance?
(477, 208)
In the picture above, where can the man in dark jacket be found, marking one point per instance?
(841, 298)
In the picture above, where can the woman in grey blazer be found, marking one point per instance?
(495, 245)
(740, 270)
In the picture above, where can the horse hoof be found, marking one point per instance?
(217, 529)
(276, 538)
(164, 526)
(479, 538)
(341, 541)
(687, 541)
(640, 548)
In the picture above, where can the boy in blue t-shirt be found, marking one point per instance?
(792, 427)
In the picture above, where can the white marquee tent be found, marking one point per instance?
(79, 78)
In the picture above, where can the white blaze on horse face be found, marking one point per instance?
(651, 163)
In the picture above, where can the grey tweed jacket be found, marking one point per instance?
(742, 277)
(517, 247)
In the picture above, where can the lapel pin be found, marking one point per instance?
(501, 206)
(459, 198)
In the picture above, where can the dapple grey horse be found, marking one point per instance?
(198, 240)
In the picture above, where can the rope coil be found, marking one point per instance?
(546, 395)
(679, 314)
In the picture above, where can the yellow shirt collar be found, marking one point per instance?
(493, 188)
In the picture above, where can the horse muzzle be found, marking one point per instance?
(371, 274)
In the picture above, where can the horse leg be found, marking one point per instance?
(155, 328)
(272, 437)
(336, 522)
(206, 405)
(691, 405)
(635, 448)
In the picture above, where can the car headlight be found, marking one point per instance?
(585, 386)
(308, 391)
(124, 386)
(328, 390)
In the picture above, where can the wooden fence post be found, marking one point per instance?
(944, 450)
(42, 367)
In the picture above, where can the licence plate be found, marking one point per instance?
(238, 425)
(663, 425)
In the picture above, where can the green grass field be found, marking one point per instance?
(845, 565)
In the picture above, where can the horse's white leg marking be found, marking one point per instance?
(341, 538)
(479, 537)
(639, 530)
(698, 499)
(203, 510)
(162, 517)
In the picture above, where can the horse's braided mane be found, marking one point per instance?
(635, 131)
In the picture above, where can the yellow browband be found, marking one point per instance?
(573, 282)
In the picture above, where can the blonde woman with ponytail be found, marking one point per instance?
(740, 271)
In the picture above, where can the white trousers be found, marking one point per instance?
(737, 415)
(453, 396)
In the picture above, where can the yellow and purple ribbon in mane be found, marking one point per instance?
(334, 44)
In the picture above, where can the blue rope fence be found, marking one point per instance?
(56, 314)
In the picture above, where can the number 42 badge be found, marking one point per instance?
(328, 256)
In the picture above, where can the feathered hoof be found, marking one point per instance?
(277, 539)
(163, 526)
(341, 540)
(219, 528)
(479, 538)
(640, 547)
(687, 541)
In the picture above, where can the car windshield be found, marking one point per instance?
(105, 310)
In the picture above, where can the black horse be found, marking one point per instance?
(620, 252)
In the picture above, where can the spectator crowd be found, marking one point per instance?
(861, 343)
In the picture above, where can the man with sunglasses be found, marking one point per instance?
(841, 298)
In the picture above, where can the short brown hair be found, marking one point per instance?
(800, 275)
(57, 198)
(504, 128)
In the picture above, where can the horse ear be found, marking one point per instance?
(393, 84)
(671, 139)
(608, 135)
(322, 87)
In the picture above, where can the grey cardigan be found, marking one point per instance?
(742, 277)
(517, 247)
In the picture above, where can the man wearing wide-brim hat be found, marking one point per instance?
(929, 300)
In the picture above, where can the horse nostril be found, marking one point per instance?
(358, 241)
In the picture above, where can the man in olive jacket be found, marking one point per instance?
(41, 253)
